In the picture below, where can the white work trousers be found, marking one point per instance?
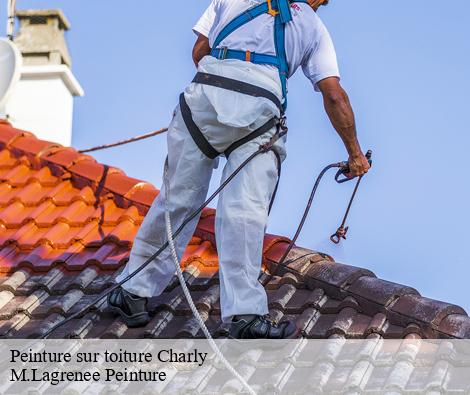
(241, 217)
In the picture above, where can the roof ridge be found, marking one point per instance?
(435, 318)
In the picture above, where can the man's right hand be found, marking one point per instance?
(358, 166)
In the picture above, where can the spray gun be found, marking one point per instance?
(343, 171)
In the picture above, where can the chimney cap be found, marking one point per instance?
(30, 14)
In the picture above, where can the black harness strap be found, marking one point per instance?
(195, 132)
(237, 86)
(258, 132)
(202, 142)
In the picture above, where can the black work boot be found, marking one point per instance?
(260, 327)
(131, 308)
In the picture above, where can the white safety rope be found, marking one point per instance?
(187, 294)
(11, 11)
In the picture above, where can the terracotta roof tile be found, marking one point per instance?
(145, 195)
(67, 224)
(9, 135)
(334, 278)
(63, 156)
(31, 195)
(120, 185)
(89, 169)
(30, 145)
(456, 325)
(415, 308)
(7, 160)
(372, 290)
(65, 193)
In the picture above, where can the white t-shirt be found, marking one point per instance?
(308, 43)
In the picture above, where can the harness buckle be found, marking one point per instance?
(271, 10)
(222, 53)
(281, 126)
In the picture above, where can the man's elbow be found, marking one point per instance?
(336, 98)
(333, 94)
(195, 58)
(201, 48)
(196, 55)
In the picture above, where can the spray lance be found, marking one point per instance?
(340, 177)
(344, 169)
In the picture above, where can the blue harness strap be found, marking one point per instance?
(283, 7)
(258, 58)
(283, 16)
(241, 20)
(280, 44)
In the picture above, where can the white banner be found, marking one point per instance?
(336, 366)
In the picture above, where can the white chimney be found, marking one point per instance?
(42, 102)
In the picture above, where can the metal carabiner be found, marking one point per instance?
(344, 169)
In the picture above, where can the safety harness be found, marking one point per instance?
(281, 12)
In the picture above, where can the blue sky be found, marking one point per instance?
(405, 67)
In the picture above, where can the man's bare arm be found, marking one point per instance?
(201, 48)
(340, 112)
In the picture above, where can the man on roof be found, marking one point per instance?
(245, 52)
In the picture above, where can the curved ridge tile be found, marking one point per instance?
(9, 135)
(30, 145)
(334, 278)
(455, 325)
(418, 309)
(374, 293)
(144, 196)
(120, 184)
(63, 156)
(88, 168)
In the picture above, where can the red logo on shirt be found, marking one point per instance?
(296, 7)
